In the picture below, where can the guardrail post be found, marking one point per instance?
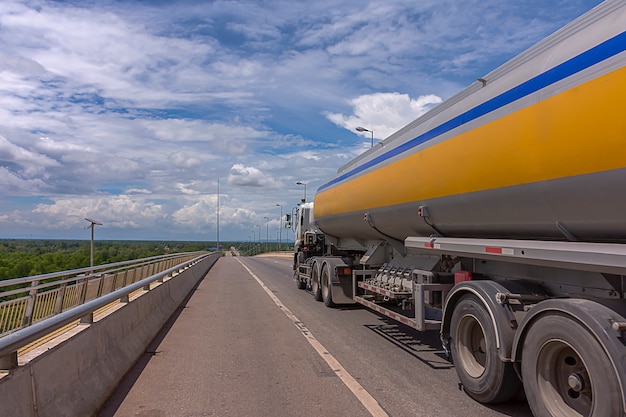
(30, 306)
(126, 277)
(100, 286)
(83, 289)
(159, 269)
(8, 361)
(59, 304)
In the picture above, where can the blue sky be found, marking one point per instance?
(128, 112)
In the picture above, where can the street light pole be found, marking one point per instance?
(218, 214)
(362, 129)
(93, 225)
(280, 228)
(267, 233)
(302, 183)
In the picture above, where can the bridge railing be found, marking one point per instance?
(29, 300)
(67, 364)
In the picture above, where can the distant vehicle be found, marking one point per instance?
(499, 218)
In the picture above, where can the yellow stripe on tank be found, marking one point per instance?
(579, 131)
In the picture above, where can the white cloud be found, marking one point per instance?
(134, 109)
(28, 163)
(60, 147)
(120, 211)
(250, 177)
(137, 191)
(384, 113)
(183, 161)
(11, 183)
(202, 210)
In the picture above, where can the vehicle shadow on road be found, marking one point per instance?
(426, 347)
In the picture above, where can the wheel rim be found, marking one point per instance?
(471, 346)
(563, 380)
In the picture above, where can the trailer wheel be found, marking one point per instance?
(565, 371)
(484, 376)
(315, 284)
(327, 295)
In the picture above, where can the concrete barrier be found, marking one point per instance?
(75, 377)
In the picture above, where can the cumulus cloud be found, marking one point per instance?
(134, 109)
(250, 177)
(121, 211)
(384, 113)
(183, 161)
(201, 211)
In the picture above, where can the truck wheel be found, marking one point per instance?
(315, 284)
(327, 295)
(566, 372)
(484, 376)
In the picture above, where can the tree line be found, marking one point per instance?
(24, 257)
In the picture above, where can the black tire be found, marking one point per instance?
(566, 372)
(484, 376)
(316, 288)
(327, 295)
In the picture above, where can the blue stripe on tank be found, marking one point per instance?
(568, 68)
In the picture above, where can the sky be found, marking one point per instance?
(135, 113)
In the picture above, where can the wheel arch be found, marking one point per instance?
(502, 318)
(337, 288)
(597, 317)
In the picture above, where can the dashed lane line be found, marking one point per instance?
(359, 392)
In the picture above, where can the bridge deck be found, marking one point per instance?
(229, 351)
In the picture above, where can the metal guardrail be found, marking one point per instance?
(141, 272)
(26, 301)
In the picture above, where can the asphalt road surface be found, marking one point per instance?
(247, 342)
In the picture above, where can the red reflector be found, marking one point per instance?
(462, 276)
(429, 245)
(493, 250)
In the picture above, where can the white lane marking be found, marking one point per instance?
(359, 392)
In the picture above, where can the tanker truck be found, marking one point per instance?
(498, 218)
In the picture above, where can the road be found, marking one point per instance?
(249, 343)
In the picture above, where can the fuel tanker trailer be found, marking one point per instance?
(499, 219)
